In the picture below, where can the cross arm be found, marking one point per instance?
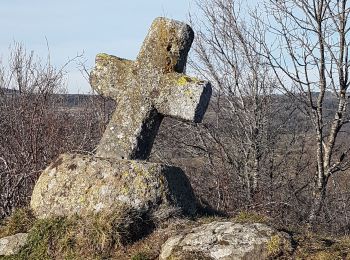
(110, 74)
(183, 97)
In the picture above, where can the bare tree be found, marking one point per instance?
(226, 53)
(308, 49)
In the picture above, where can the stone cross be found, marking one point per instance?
(148, 89)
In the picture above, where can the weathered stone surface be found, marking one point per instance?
(81, 184)
(12, 244)
(226, 240)
(147, 89)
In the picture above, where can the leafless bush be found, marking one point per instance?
(37, 123)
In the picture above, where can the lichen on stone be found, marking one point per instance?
(152, 83)
(221, 240)
(182, 81)
(143, 186)
(102, 55)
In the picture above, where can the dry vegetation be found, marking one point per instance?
(37, 124)
(113, 236)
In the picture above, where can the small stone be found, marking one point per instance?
(12, 244)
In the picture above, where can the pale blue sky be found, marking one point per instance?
(90, 26)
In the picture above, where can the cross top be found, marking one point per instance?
(148, 89)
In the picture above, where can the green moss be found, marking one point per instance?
(250, 217)
(20, 221)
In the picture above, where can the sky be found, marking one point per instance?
(73, 27)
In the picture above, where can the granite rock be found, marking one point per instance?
(82, 184)
(227, 241)
(12, 244)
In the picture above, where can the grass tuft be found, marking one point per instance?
(250, 217)
(20, 221)
(90, 237)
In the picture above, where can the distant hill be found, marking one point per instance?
(69, 100)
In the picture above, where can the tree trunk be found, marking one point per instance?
(319, 196)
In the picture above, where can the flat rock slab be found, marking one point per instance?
(226, 240)
(12, 244)
(82, 184)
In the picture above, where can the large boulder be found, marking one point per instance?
(12, 244)
(227, 240)
(82, 184)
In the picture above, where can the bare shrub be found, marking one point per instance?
(260, 143)
(37, 123)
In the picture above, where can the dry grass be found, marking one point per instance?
(315, 247)
(90, 237)
(149, 247)
(20, 221)
(126, 235)
(251, 217)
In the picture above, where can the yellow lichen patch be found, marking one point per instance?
(125, 174)
(82, 199)
(188, 92)
(102, 56)
(124, 190)
(138, 170)
(184, 80)
(139, 184)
